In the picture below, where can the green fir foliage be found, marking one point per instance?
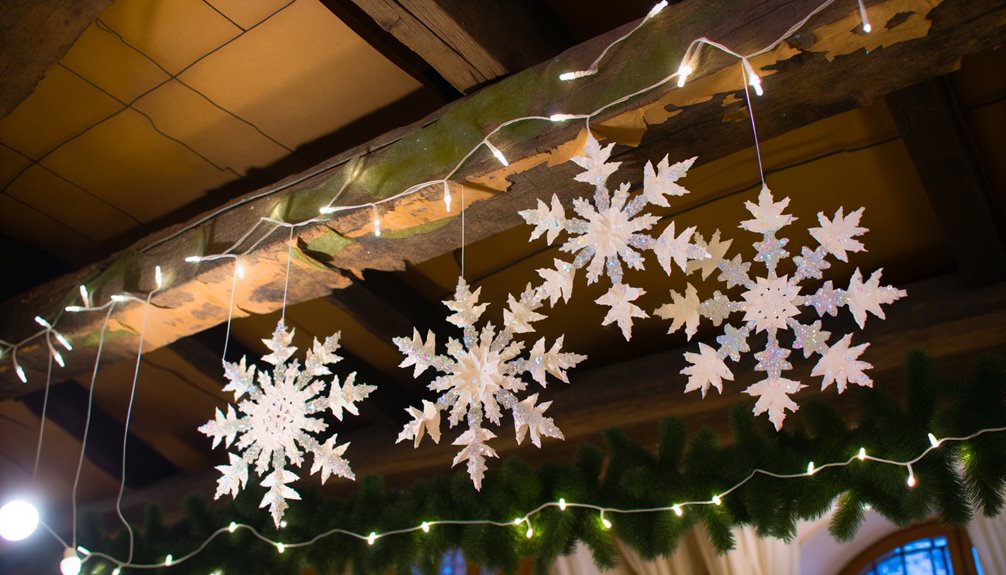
(952, 480)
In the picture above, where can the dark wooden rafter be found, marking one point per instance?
(933, 128)
(388, 307)
(67, 408)
(470, 43)
(417, 228)
(35, 35)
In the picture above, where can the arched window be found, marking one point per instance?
(927, 549)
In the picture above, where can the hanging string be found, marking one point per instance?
(463, 208)
(41, 425)
(286, 285)
(754, 129)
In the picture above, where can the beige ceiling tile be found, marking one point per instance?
(11, 164)
(219, 136)
(247, 14)
(28, 225)
(43, 121)
(71, 205)
(132, 166)
(174, 33)
(300, 75)
(118, 69)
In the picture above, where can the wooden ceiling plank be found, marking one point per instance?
(470, 43)
(417, 226)
(67, 408)
(939, 142)
(35, 35)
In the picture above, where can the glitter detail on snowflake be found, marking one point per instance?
(483, 374)
(772, 304)
(279, 419)
(611, 232)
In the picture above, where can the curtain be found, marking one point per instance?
(989, 537)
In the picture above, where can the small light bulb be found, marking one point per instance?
(933, 441)
(862, 453)
(867, 507)
(117, 571)
(282, 524)
(425, 526)
(677, 510)
(605, 522)
(753, 78)
(529, 533)
(911, 479)
(20, 373)
(447, 197)
(62, 341)
(867, 28)
(119, 298)
(239, 269)
(562, 504)
(193, 259)
(567, 76)
(232, 527)
(717, 500)
(811, 469)
(59, 358)
(83, 550)
(327, 210)
(73, 308)
(656, 9)
(377, 221)
(496, 152)
(168, 560)
(866, 21)
(280, 547)
(18, 520)
(70, 565)
(85, 298)
(158, 277)
(561, 117)
(518, 521)
(371, 538)
(41, 321)
(684, 71)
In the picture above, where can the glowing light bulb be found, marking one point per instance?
(158, 277)
(811, 470)
(73, 308)
(684, 71)
(282, 524)
(562, 504)
(717, 500)
(862, 453)
(83, 550)
(377, 221)
(371, 538)
(605, 522)
(70, 565)
(280, 548)
(85, 298)
(117, 571)
(866, 21)
(232, 527)
(239, 269)
(677, 510)
(933, 441)
(59, 358)
(447, 197)
(41, 321)
(169, 560)
(20, 373)
(867, 28)
(193, 259)
(656, 9)
(119, 298)
(327, 210)
(753, 80)
(18, 520)
(567, 76)
(518, 520)
(62, 341)
(425, 527)
(530, 532)
(496, 152)
(561, 117)
(911, 479)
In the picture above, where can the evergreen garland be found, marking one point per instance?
(624, 474)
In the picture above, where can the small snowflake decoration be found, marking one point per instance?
(482, 375)
(612, 230)
(772, 304)
(278, 420)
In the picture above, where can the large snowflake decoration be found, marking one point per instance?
(772, 304)
(483, 374)
(612, 231)
(278, 421)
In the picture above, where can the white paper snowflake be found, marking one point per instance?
(772, 304)
(483, 374)
(613, 230)
(279, 419)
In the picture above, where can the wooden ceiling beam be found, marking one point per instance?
(834, 69)
(35, 35)
(939, 142)
(471, 43)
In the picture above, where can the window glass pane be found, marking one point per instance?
(892, 566)
(920, 544)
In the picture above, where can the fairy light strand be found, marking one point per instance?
(524, 521)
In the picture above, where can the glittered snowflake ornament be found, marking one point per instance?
(484, 374)
(278, 422)
(774, 304)
(612, 231)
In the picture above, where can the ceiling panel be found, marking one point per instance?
(174, 34)
(35, 228)
(214, 133)
(12, 163)
(300, 75)
(44, 120)
(247, 14)
(133, 167)
(100, 57)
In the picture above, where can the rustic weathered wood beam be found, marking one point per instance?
(35, 35)
(471, 43)
(67, 408)
(940, 144)
(835, 69)
(951, 323)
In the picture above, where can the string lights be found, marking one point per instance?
(524, 521)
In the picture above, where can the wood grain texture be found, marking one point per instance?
(35, 35)
(833, 75)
